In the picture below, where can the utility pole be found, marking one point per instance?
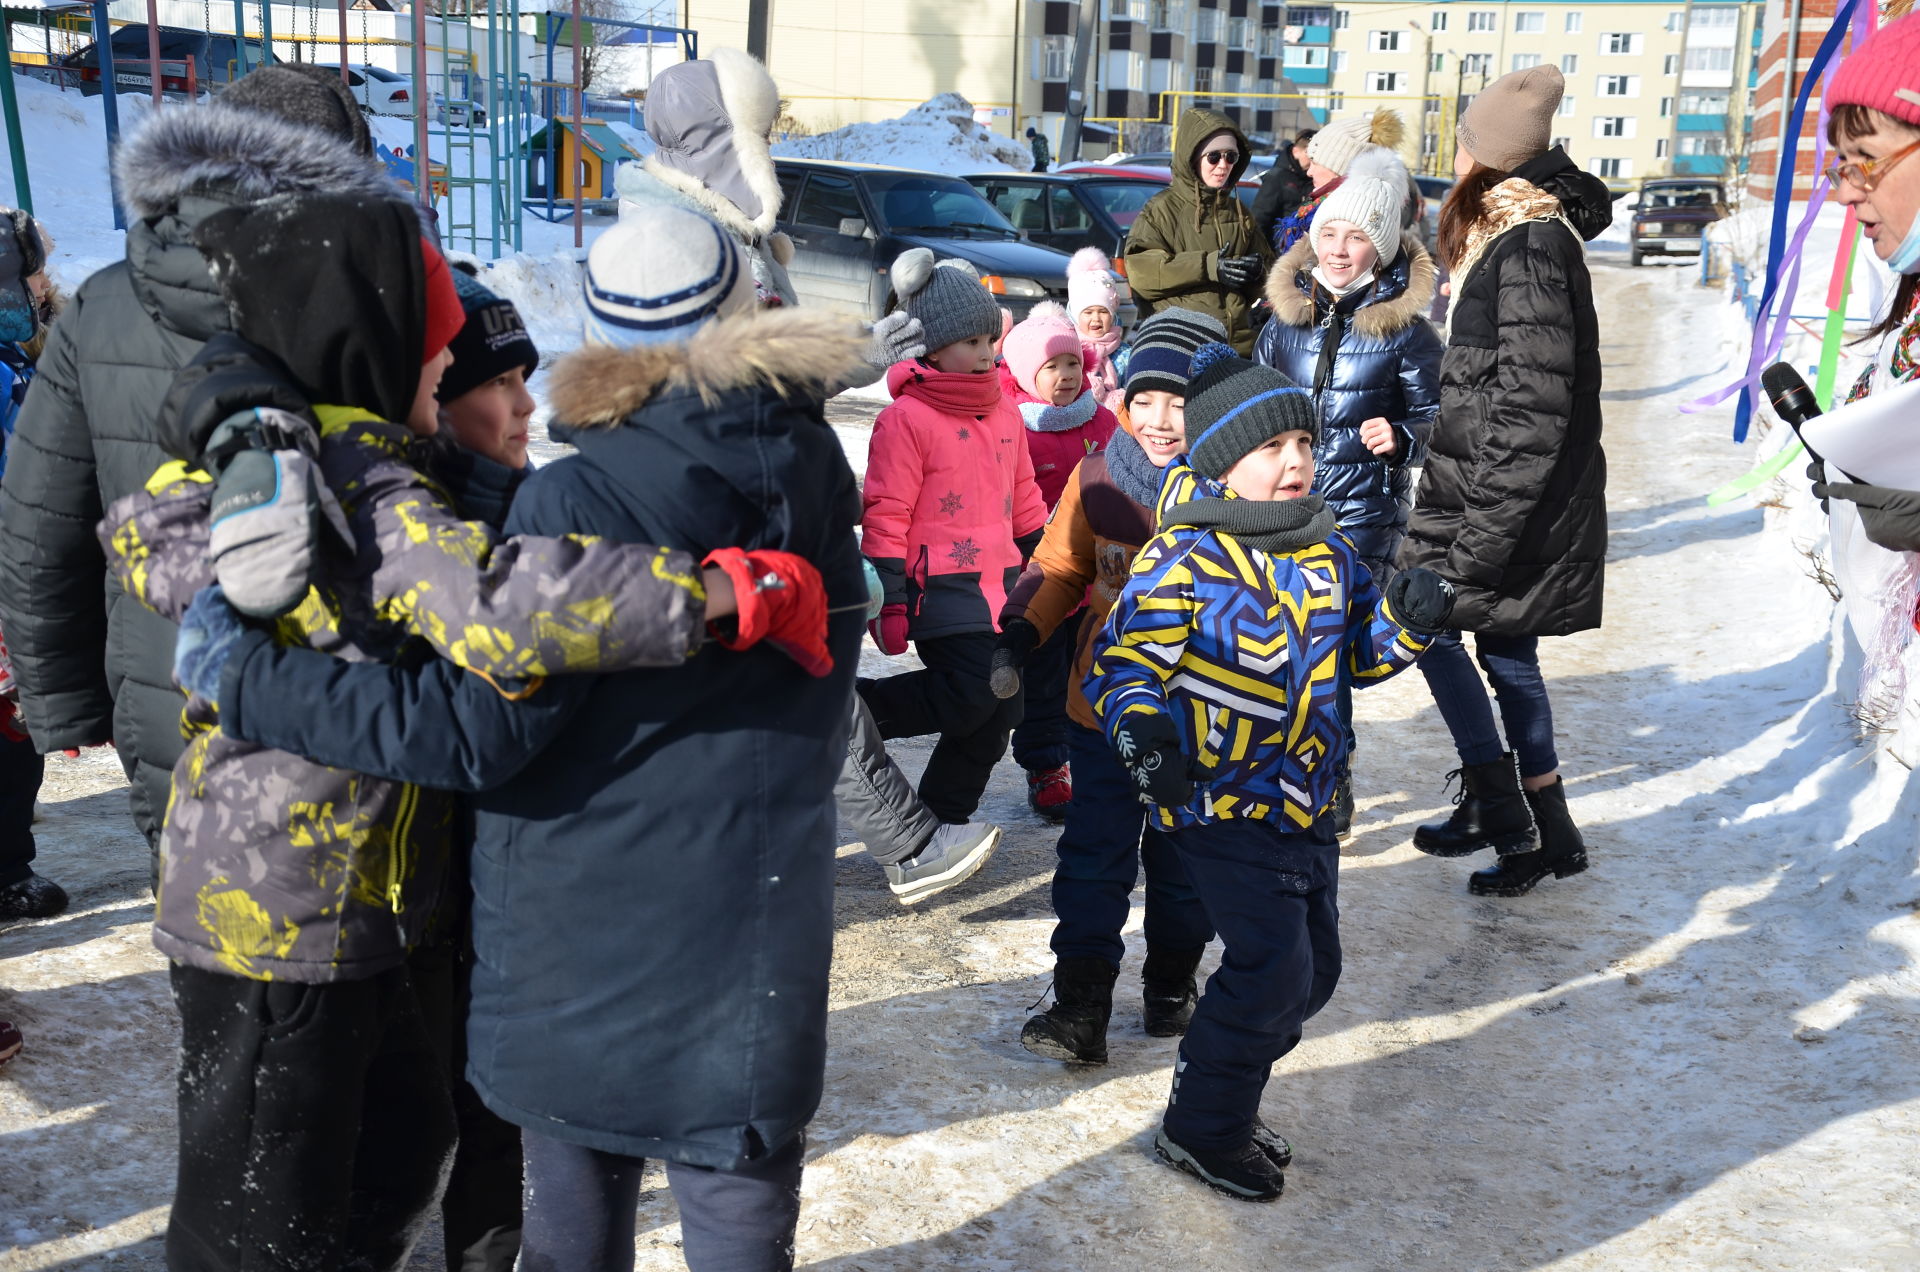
(759, 20)
(1426, 88)
(1679, 89)
(1084, 34)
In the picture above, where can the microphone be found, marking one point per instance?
(1789, 394)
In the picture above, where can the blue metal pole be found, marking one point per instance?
(239, 38)
(109, 105)
(266, 31)
(16, 142)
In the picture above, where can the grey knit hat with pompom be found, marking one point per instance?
(947, 297)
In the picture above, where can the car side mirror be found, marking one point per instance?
(853, 227)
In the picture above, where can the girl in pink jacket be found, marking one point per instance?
(952, 513)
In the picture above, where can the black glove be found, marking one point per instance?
(1817, 474)
(1421, 600)
(1018, 638)
(1239, 272)
(1149, 745)
(1891, 517)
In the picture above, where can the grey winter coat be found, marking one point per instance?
(93, 669)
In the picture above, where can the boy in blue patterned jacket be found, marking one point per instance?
(1216, 682)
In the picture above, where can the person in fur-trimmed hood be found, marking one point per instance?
(91, 672)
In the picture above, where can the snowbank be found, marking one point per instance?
(939, 135)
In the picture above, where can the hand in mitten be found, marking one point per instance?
(209, 633)
(1018, 638)
(780, 599)
(876, 590)
(271, 509)
(1817, 474)
(1421, 600)
(896, 337)
(889, 631)
(1890, 517)
(1148, 745)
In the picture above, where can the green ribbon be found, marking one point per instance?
(1756, 477)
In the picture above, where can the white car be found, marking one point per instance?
(378, 90)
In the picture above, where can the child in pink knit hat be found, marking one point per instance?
(1093, 300)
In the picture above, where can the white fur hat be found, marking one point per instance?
(1371, 197)
(1336, 146)
(1090, 283)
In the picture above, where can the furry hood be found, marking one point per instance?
(1293, 304)
(246, 155)
(751, 103)
(786, 350)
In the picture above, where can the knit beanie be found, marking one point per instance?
(1234, 407)
(303, 94)
(445, 317)
(1371, 197)
(1511, 121)
(492, 341)
(661, 273)
(1337, 145)
(947, 297)
(1042, 336)
(21, 256)
(1883, 72)
(1163, 348)
(1090, 283)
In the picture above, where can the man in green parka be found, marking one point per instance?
(1194, 244)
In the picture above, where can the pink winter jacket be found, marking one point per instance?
(1058, 451)
(949, 495)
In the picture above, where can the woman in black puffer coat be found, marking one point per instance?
(1512, 508)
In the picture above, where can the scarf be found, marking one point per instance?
(1513, 202)
(952, 392)
(1044, 417)
(1132, 471)
(1279, 525)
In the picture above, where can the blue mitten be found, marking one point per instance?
(209, 633)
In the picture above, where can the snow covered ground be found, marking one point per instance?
(939, 135)
(1698, 1055)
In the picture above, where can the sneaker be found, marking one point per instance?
(1245, 1173)
(1050, 792)
(954, 854)
(32, 898)
(10, 1041)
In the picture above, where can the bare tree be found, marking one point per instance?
(594, 45)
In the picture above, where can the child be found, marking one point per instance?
(484, 403)
(1094, 302)
(1215, 683)
(1349, 301)
(1043, 375)
(952, 512)
(1083, 559)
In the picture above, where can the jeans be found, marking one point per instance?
(1512, 664)
(1102, 851)
(21, 771)
(949, 697)
(581, 1205)
(1040, 740)
(1273, 895)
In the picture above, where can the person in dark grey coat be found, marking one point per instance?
(91, 672)
(1512, 507)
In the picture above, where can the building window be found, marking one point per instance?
(1709, 59)
(1483, 20)
(1437, 20)
(1703, 145)
(1703, 103)
(1670, 64)
(1613, 126)
(1524, 61)
(1122, 10)
(1437, 63)
(1613, 169)
(1619, 86)
(1203, 79)
(1530, 22)
(1660, 148)
(1563, 142)
(1340, 17)
(1339, 61)
(1317, 15)
(1383, 41)
(1336, 101)
(1384, 82)
(1709, 17)
(1573, 23)
(1270, 41)
(1666, 108)
(1056, 56)
(1569, 63)
(1620, 42)
(1566, 106)
(1207, 28)
(1676, 19)
(1305, 55)
(1477, 64)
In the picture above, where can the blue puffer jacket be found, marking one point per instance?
(1386, 364)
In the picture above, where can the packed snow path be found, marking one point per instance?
(1700, 1054)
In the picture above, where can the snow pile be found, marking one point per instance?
(546, 291)
(939, 135)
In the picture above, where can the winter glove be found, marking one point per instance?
(1239, 273)
(896, 337)
(781, 600)
(1149, 745)
(889, 631)
(209, 633)
(1421, 600)
(12, 727)
(1891, 517)
(271, 510)
(1817, 474)
(1018, 639)
(876, 590)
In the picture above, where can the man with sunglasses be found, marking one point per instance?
(1195, 245)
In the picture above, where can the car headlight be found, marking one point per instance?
(1023, 288)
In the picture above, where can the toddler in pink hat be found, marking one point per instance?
(1044, 374)
(1093, 301)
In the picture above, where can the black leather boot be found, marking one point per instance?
(1490, 812)
(1167, 979)
(1562, 851)
(1074, 1029)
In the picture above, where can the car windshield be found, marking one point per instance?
(1700, 196)
(945, 207)
(1122, 200)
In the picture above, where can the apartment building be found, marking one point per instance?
(1778, 78)
(1654, 87)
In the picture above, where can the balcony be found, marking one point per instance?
(1307, 74)
(1703, 123)
(1315, 35)
(1700, 165)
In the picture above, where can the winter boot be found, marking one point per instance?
(1050, 792)
(10, 1041)
(1245, 1174)
(1273, 1144)
(1562, 851)
(1167, 980)
(954, 854)
(32, 898)
(1074, 1029)
(1342, 810)
(1490, 812)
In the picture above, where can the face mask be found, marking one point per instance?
(1906, 258)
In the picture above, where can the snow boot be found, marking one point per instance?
(1342, 810)
(1050, 792)
(1074, 1029)
(1273, 1144)
(1167, 979)
(954, 854)
(1562, 851)
(1490, 811)
(32, 898)
(10, 1041)
(1245, 1174)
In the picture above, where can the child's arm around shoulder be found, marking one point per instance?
(156, 539)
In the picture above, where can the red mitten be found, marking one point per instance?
(781, 600)
(889, 631)
(10, 727)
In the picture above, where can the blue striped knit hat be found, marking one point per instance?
(1163, 348)
(1235, 406)
(662, 273)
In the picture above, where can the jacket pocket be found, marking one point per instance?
(917, 581)
(284, 1008)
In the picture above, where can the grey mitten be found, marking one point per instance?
(896, 337)
(271, 510)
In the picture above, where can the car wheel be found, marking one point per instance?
(1635, 256)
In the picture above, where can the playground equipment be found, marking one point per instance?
(588, 152)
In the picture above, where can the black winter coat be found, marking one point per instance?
(1385, 364)
(1283, 189)
(1512, 507)
(90, 669)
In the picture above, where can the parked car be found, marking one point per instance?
(215, 58)
(848, 221)
(1069, 211)
(378, 90)
(1256, 166)
(1246, 191)
(1433, 193)
(1670, 214)
(459, 112)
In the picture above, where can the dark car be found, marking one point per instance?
(848, 221)
(1433, 193)
(1247, 191)
(1068, 211)
(1671, 214)
(215, 58)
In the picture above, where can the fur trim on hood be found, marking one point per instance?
(752, 102)
(245, 155)
(786, 350)
(1294, 306)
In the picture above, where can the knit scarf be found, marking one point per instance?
(1512, 202)
(1266, 525)
(1132, 471)
(954, 392)
(1044, 417)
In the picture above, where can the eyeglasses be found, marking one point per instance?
(1222, 156)
(1866, 175)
